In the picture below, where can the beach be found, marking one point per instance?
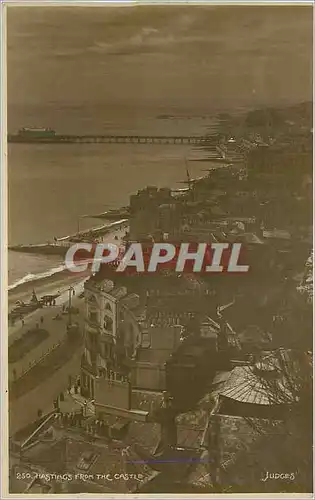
(50, 285)
(46, 286)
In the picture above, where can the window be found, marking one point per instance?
(146, 340)
(92, 300)
(92, 339)
(108, 324)
(108, 306)
(129, 338)
(105, 351)
(93, 316)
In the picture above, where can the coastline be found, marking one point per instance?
(45, 286)
(59, 278)
(59, 281)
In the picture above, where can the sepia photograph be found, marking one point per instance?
(158, 162)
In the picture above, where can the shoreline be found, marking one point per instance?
(46, 285)
(59, 281)
(62, 243)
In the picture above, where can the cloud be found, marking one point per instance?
(144, 40)
(64, 53)
(150, 39)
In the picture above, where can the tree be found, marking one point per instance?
(282, 445)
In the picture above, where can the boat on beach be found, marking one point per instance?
(21, 308)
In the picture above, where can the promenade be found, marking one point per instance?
(39, 383)
(44, 320)
(24, 410)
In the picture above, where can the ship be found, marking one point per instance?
(33, 134)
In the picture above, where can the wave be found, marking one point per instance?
(35, 277)
(30, 277)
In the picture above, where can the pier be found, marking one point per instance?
(114, 139)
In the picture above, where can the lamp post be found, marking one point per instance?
(78, 223)
(70, 290)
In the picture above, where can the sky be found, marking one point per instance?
(157, 57)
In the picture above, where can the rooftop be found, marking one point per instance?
(72, 454)
(264, 383)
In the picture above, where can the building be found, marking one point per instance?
(117, 451)
(112, 330)
(145, 214)
(148, 367)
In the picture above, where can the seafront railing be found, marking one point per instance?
(24, 370)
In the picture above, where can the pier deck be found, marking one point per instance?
(114, 139)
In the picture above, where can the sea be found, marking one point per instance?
(50, 187)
